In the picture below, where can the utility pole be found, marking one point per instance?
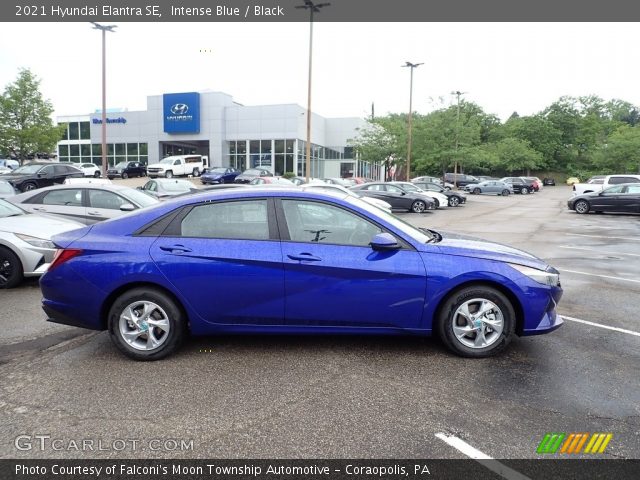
(411, 66)
(313, 8)
(457, 93)
(104, 29)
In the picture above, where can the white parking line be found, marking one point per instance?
(635, 239)
(598, 275)
(599, 251)
(482, 458)
(593, 324)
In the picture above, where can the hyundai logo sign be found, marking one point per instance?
(181, 112)
(180, 109)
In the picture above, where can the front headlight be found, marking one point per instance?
(35, 241)
(541, 276)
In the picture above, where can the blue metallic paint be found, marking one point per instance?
(252, 286)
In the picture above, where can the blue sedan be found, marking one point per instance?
(217, 175)
(295, 262)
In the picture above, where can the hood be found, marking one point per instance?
(37, 225)
(465, 246)
(158, 165)
(16, 176)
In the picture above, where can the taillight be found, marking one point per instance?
(62, 255)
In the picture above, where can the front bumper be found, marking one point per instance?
(550, 320)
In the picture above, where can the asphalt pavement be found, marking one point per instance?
(349, 397)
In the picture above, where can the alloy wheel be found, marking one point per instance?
(144, 325)
(478, 323)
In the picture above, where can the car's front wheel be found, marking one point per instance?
(582, 206)
(477, 321)
(196, 172)
(29, 186)
(454, 201)
(476, 191)
(10, 269)
(146, 324)
(524, 191)
(97, 174)
(168, 174)
(418, 206)
(505, 192)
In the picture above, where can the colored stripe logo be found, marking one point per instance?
(573, 443)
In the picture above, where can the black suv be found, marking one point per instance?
(460, 179)
(126, 170)
(38, 175)
(520, 184)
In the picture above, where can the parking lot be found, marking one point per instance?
(357, 397)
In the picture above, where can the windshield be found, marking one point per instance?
(140, 198)
(177, 186)
(168, 161)
(28, 169)
(422, 236)
(120, 166)
(9, 210)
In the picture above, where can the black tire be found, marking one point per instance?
(437, 203)
(175, 318)
(196, 172)
(125, 175)
(418, 206)
(29, 186)
(477, 191)
(11, 272)
(454, 201)
(581, 206)
(447, 318)
(168, 174)
(505, 192)
(524, 191)
(97, 174)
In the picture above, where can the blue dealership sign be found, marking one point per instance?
(181, 112)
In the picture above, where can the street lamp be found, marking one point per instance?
(411, 66)
(457, 93)
(104, 29)
(313, 8)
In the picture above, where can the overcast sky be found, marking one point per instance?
(502, 66)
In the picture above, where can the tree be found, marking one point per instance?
(516, 155)
(26, 127)
(622, 152)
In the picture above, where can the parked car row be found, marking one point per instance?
(620, 198)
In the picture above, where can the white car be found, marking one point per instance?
(441, 200)
(89, 169)
(327, 187)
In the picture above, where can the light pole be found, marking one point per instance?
(411, 66)
(313, 8)
(104, 29)
(457, 93)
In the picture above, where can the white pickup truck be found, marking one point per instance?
(178, 165)
(601, 184)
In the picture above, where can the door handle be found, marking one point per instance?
(305, 257)
(39, 209)
(93, 213)
(175, 249)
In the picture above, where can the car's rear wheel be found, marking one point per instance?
(476, 191)
(196, 172)
(505, 192)
(10, 269)
(97, 174)
(476, 321)
(146, 324)
(582, 206)
(454, 201)
(524, 191)
(168, 174)
(29, 186)
(125, 175)
(418, 206)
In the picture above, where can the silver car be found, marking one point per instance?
(7, 190)
(86, 203)
(495, 187)
(25, 243)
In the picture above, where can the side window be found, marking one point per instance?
(150, 186)
(48, 170)
(619, 180)
(613, 190)
(394, 189)
(633, 189)
(177, 162)
(246, 220)
(62, 169)
(321, 223)
(103, 199)
(71, 197)
(376, 188)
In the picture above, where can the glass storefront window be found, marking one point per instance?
(85, 150)
(74, 131)
(241, 146)
(96, 149)
(290, 145)
(65, 133)
(85, 131)
(120, 149)
(144, 149)
(63, 150)
(132, 150)
(74, 150)
(279, 146)
(266, 146)
(279, 167)
(232, 148)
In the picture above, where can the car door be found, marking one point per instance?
(103, 205)
(631, 199)
(46, 176)
(334, 279)
(609, 200)
(65, 202)
(225, 260)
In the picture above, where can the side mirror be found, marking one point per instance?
(384, 242)
(127, 207)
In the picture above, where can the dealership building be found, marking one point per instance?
(211, 123)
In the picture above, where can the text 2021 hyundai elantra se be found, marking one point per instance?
(292, 262)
